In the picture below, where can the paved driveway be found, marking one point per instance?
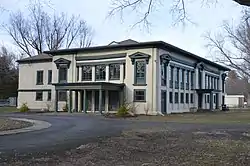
(71, 131)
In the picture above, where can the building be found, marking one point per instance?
(155, 77)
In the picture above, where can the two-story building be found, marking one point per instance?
(155, 77)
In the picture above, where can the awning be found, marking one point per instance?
(89, 86)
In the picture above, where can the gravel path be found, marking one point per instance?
(9, 124)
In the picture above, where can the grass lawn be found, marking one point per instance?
(8, 109)
(239, 116)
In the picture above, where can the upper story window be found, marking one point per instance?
(209, 81)
(100, 72)
(171, 76)
(114, 71)
(140, 72)
(182, 78)
(49, 76)
(77, 73)
(62, 74)
(163, 74)
(86, 73)
(187, 79)
(62, 66)
(39, 77)
(192, 79)
(164, 61)
(140, 61)
(177, 79)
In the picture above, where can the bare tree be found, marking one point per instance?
(144, 8)
(41, 31)
(231, 45)
(8, 73)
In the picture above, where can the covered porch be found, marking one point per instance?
(91, 96)
(202, 95)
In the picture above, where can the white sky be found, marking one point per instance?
(107, 30)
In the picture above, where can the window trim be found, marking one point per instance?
(60, 91)
(136, 90)
(63, 81)
(115, 78)
(49, 77)
(42, 82)
(48, 99)
(42, 95)
(145, 73)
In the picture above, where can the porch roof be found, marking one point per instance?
(207, 90)
(89, 85)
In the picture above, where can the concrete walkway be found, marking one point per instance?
(37, 125)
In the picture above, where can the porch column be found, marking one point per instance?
(93, 73)
(211, 101)
(70, 101)
(107, 73)
(56, 101)
(122, 73)
(220, 89)
(106, 100)
(93, 100)
(76, 101)
(80, 73)
(79, 94)
(100, 101)
(84, 101)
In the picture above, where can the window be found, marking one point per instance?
(182, 78)
(187, 98)
(177, 78)
(39, 96)
(39, 77)
(215, 83)
(49, 96)
(200, 78)
(212, 82)
(206, 82)
(140, 70)
(192, 79)
(209, 80)
(170, 97)
(163, 74)
(192, 98)
(100, 72)
(63, 74)
(187, 80)
(176, 97)
(182, 97)
(114, 71)
(208, 98)
(171, 77)
(77, 73)
(49, 76)
(62, 96)
(214, 98)
(86, 73)
(139, 95)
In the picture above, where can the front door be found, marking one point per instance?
(200, 101)
(163, 102)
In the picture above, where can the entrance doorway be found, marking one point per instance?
(200, 101)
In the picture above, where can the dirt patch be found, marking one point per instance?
(152, 147)
(9, 124)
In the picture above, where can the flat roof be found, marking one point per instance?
(150, 44)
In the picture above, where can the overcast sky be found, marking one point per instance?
(107, 30)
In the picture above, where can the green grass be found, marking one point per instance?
(239, 116)
(8, 109)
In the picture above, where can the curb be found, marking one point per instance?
(37, 125)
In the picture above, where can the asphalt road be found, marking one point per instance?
(71, 131)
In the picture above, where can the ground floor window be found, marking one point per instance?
(192, 98)
(139, 95)
(176, 97)
(187, 98)
(113, 100)
(182, 97)
(170, 97)
(62, 96)
(49, 96)
(39, 96)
